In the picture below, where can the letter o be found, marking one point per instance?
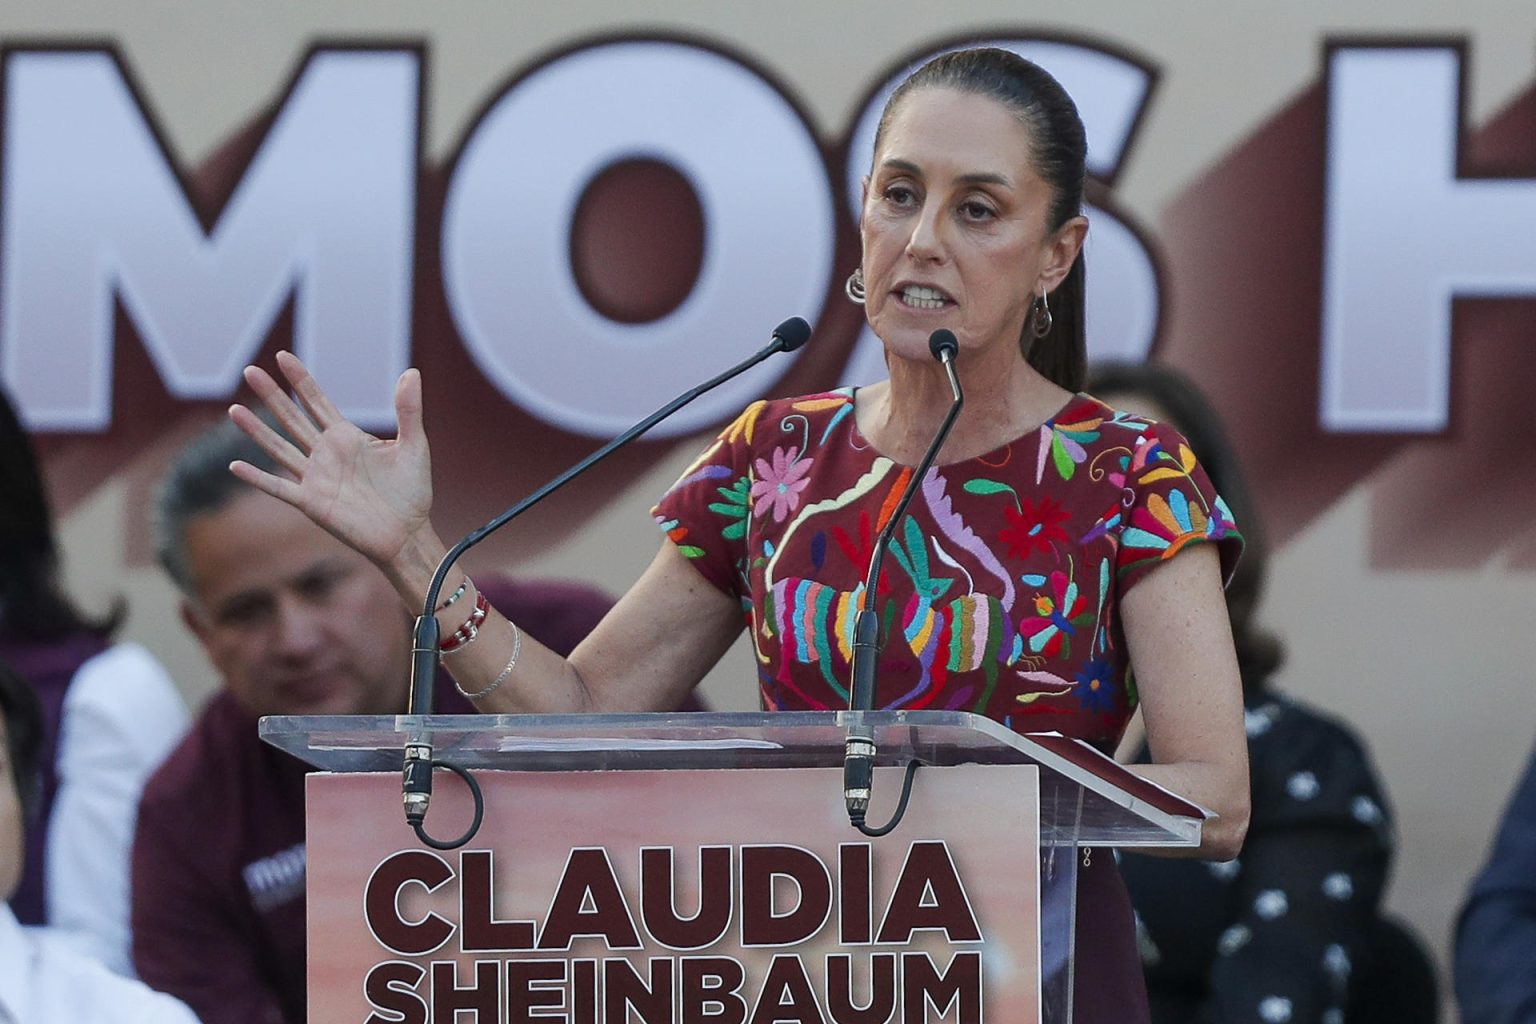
(769, 232)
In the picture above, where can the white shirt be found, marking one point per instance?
(122, 716)
(42, 981)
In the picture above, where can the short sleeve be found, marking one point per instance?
(706, 513)
(1172, 506)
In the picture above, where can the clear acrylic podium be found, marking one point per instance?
(1084, 798)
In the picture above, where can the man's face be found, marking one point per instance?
(296, 622)
(11, 848)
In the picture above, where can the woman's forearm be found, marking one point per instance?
(1220, 788)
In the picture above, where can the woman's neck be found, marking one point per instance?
(1004, 397)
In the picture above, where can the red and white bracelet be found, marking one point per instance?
(465, 634)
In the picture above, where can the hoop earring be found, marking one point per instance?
(1041, 320)
(854, 286)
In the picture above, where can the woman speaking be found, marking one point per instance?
(1055, 544)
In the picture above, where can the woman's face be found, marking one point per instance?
(954, 225)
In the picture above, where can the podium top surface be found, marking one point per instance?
(1085, 797)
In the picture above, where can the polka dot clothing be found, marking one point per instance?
(1270, 938)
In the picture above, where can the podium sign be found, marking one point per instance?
(710, 896)
(700, 867)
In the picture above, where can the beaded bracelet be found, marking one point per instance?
(517, 648)
(465, 634)
(453, 596)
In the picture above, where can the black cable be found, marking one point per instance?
(419, 824)
(857, 817)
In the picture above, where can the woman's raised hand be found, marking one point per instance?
(374, 495)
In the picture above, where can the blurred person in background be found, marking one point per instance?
(1289, 931)
(295, 623)
(43, 980)
(110, 715)
(1496, 933)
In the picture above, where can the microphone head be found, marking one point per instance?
(792, 333)
(942, 344)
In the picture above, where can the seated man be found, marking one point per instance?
(41, 979)
(295, 623)
(1496, 936)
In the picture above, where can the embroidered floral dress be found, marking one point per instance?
(1000, 593)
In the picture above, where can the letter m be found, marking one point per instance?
(92, 210)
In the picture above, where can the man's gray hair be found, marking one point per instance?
(198, 482)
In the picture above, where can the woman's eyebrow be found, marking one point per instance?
(974, 178)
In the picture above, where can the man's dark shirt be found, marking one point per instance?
(218, 856)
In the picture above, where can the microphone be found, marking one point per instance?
(416, 784)
(859, 751)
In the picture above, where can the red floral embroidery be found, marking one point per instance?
(1032, 528)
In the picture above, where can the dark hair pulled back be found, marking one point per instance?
(23, 717)
(33, 604)
(1058, 148)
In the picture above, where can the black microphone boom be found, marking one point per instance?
(787, 337)
(417, 782)
(859, 754)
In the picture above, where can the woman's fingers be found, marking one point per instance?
(316, 402)
(270, 483)
(408, 415)
(270, 441)
(300, 428)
